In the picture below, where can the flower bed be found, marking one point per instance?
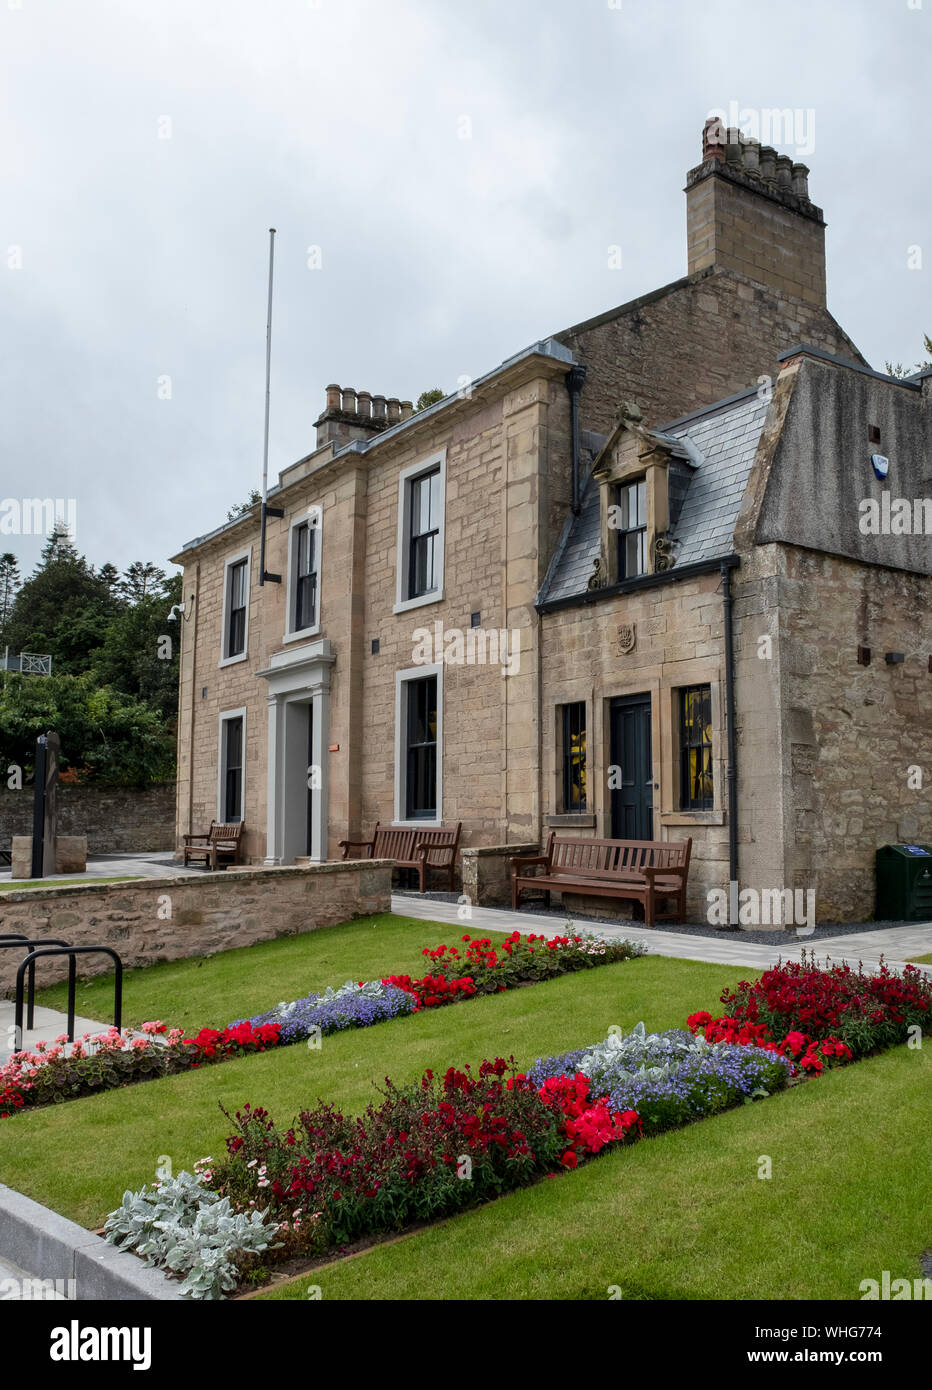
(523, 959)
(441, 1145)
(107, 1060)
(353, 1005)
(669, 1078)
(815, 1015)
(111, 1059)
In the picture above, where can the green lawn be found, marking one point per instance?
(921, 960)
(79, 1157)
(686, 1216)
(213, 990)
(61, 883)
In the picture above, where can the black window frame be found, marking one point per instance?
(423, 543)
(623, 491)
(421, 754)
(573, 758)
(233, 773)
(235, 635)
(305, 584)
(695, 733)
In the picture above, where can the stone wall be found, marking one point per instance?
(174, 917)
(116, 820)
(695, 341)
(855, 731)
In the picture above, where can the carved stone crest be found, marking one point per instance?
(627, 637)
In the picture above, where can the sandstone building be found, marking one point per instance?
(621, 586)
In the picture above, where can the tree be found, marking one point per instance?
(9, 583)
(899, 370)
(105, 736)
(61, 607)
(134, 656)
(253, 499)
(430, 397)
(141, 579)
(109, 576)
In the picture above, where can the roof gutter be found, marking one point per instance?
(644, 581)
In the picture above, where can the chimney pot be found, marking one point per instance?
(750, 155)
(784, 171)
(378, 409)
(713, 139)
(407, 409)
(364, 404)
(349, 400)
(768, 163)
(733, 147)
(393, 405)
(801, 180)
(333, 396)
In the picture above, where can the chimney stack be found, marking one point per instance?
(748, 211)
(349, 415)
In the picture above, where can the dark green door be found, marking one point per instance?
(631, 781)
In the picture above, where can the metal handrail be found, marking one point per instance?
(72, 952)
(14, 939)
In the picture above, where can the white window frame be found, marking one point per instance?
(405, 478)
(403, 678)
(230, 561)
(292, 634)
(225, 716)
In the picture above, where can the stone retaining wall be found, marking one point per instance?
(170, 918)
(116, 820)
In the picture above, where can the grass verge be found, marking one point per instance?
(46, 883)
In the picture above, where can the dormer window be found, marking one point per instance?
(628, 519)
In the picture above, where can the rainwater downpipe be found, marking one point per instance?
(574, 384)
(731, 770)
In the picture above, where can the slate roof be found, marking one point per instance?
(725, 435)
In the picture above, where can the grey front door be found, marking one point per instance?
(632, 781)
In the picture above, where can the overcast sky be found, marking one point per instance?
(464, 169)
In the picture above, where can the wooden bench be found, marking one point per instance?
(646, 871)
(222, 842)
(411, 847)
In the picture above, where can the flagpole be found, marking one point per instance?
(265, 445)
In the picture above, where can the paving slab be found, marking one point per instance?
(153, 865)
(895, 944)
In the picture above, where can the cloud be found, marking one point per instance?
(463, 170)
